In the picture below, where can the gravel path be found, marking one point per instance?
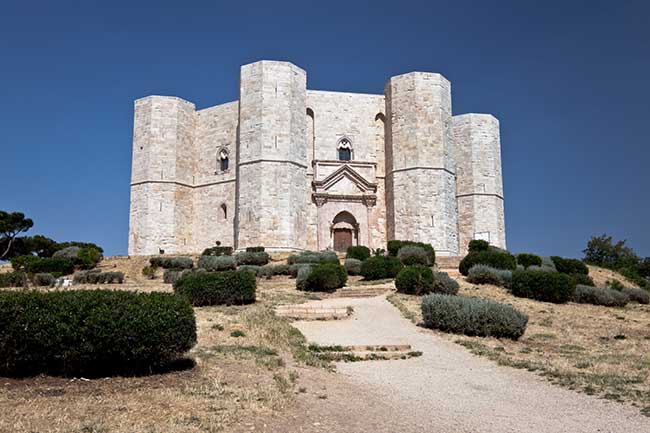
(448, 389)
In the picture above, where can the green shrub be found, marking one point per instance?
(543, 286)
(217, 263)
(172, 262)
(637, 295)
(395, 245)
(569, 266)
(217, 288)
(614, 284)
(472, 316)
(88, 257)
(444, 284)
(92, 332)
(411, 255)
(295, 268)
(600, 296)
(526, 260)
(482, 274)
(23, 263)
(302, 272)
(217, 251)
(492, 258)
(313, 257)
(380, 267)
(254, 249)
(478, 245)
(353, 266)
(149, 272)
(13, 279)
(358, 252)
(38, 265)
(269, 271)
(250, 268)
(547, 264)
(252, 258)
(69, 253)
(583, 279)
(414, 280)
(324, 277)
(94, 276)
(43, 279)
(632, 274)
(171, 275)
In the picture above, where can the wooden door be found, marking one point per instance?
(342, 239)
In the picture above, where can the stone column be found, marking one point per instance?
(420, 172)
(272, 184)
(477, 149)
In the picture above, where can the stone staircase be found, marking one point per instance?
(364, 353)
(301, 312)
(361, 291)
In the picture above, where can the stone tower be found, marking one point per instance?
(272, 184)
(477, 151)
(420, 171)
(161, 175)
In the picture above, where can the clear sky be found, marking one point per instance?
(567, 79)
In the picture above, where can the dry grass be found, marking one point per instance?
(235, 379)
(598, 350)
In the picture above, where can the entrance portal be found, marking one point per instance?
(344, 231)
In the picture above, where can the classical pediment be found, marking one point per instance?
(345, 180)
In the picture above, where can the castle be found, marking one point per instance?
(294, 169)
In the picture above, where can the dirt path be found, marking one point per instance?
(446, 389)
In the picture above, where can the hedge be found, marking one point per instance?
(443, 283)
(257, 258)
(269, 271)
(637, 295)
(353, 266)
(92, 332)
(543, 286)
(412, 255)
(414, 280)
(254, 249)
(569, 266)
(250, 268)
(313, 257)
(217, 288)
(472, 316)
(600, 296)
(526, 260)
(358, 252)
(380, 267)
(482, 274)
(38, 265)
(295, 268)
(217, 251)
(44, 279)
(395, 245)
(13, 279)
(172, 262)
(96, 277)
(217, 263)
(478, 245)
(324, 277)
(85, 257)
(492, 258)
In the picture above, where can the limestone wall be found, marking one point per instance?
(420, 178)
(272, 190)
(477, 150)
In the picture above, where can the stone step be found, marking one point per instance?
(312, 313)
(365, 355)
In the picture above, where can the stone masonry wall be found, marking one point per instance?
(420, 178)
(477, 151)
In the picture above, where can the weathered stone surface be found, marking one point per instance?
(284, 186)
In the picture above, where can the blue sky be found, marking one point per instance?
(568, 81)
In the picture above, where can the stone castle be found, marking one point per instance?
(294, 169)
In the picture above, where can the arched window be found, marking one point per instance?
(345, 149)
(224, 211)
(223, 160)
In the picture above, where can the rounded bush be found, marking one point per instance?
(492, 258)
(295, 268)
(313, 257)
(380, 267)
(526, 260)
(172, 262)
(92, 332)
(481, 274)
(411, 255)
(269, 271)
(583, 279)
(217, 251)
(543, 286)
(637, 295)
(472, 316)
(217, 288)
(569, 266)
(44, 279)
(324, 277)
(395, 245)
(414, 280)
(217, 263)
(600, 296)
(254, 249)
(353, 266)
(478, 245)
(443, 283)
(358, 252)
(250, 268)
(260, 258)
(13, 279)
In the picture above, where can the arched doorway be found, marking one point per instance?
(344, 231)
